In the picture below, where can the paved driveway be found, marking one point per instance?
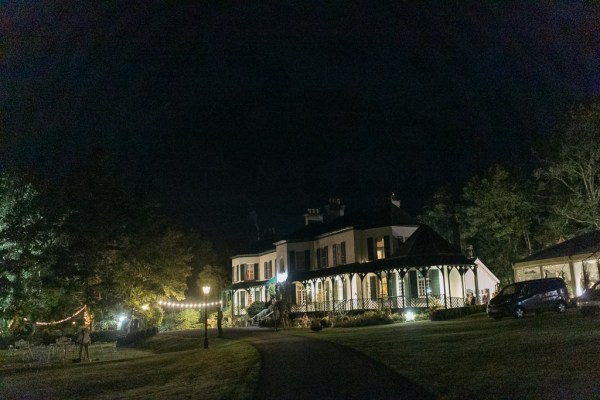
(300, 368)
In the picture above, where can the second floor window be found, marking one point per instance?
(325, 257)
(380, 246)
(339, 253)
(268, 269)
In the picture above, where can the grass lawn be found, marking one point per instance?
(547, 356)
(165, 367)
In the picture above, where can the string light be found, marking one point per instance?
(64, 319)
(188, 305)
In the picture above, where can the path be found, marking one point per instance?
(300, 368)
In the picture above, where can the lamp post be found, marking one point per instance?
(281, 277)
(206, 291)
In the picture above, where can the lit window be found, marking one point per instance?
(380, 247)
(300, 295)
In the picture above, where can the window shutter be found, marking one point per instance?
(434, 281)
(325, 256)
(243, 272)
(413, 284)
(343, 252)
(256, 271)
(373, 284)
(393, 285)
(292, 260)
(370, 249)
(319, 258)
(386, 246)
(307, 259)
(294, 289)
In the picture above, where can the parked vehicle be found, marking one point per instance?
(536, 295)
(589, 301)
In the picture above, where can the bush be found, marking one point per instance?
(366, 319)
(325, 322)
(255, 308)
(185, 319)
(315, 325)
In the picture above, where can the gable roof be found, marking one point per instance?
(585, 246)
(425, 247)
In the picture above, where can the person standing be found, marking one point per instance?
(220, 321)
(84, 342)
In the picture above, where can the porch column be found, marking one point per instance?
(351, 295)
(444, 270)
(362, 290)
(402, 274)
(573, 280)
(379, 275)
(449, 290)
(476, 285)
(344, 291)
(462, 276)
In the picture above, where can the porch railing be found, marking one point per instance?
(393, 303)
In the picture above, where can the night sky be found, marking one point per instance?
(225, 112)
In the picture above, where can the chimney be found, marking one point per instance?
(455, 231)
(394, 201)
(470, 251)
(313, 216)
(335, 208)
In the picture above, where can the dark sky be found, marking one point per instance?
(225, 110)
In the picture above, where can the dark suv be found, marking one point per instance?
(536, 295)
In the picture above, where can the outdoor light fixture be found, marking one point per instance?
(206, 291)
(409, 316)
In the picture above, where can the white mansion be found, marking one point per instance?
(361, 261)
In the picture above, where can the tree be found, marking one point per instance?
(439, 212)
(570, 174)
(498, 213)
(216, 277)
(121, 253)
(28, 236)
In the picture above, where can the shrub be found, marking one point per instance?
(185, 319)
(255, 308)
(315, 325)
(365, 319)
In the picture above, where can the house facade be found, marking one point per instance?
(364, 261)
(574, 260)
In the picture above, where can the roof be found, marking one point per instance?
(258, 247)
(389, 215)
(424, 248)
(586, 245)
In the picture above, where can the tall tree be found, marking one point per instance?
(121, 252)
(440, 210)
(28, 236)
(570, 174)
(215, 277)
(498, 213)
